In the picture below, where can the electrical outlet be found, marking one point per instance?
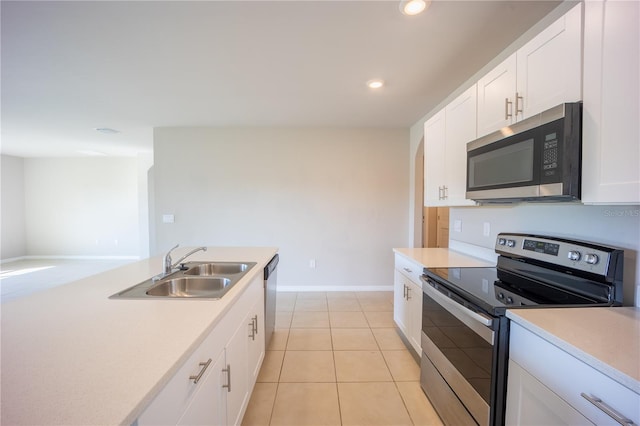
(486, 229)
(312, 263)
(457, 225)
(168, 218)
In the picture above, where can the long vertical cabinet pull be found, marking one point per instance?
(255, 324)
(228, 371)
(519, 101)
(408, 293)
(608, 410)
(507, 112)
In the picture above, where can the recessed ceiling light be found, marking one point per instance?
(107, 130)
(414, 7)
(375, 83)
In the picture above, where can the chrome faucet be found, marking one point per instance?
(167, 262)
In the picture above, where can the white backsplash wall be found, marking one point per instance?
(609, 225)
(336, 196)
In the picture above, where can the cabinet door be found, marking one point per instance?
(434, 154)
(414, 303)
(237, 374)
(496, 92)
(208, 406)
(399, 301)
(460, 130)
(611, 129)
(549, 67)
(256, 342)
(529, 402)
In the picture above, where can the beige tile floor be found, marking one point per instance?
(336, 359)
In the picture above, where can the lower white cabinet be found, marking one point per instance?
(407, 301)
(547, 385)
(214, 385)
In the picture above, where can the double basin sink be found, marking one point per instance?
(203, 280)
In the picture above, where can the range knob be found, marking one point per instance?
(511, 243)
(501, 295)
(591, 258)
(502, 241)
(509, 300)
(574, 255)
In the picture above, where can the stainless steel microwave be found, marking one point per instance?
(537, 159)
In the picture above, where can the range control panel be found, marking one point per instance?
(572, 254)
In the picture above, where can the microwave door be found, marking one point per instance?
(505, 169)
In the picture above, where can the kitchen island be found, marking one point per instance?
(71, 355)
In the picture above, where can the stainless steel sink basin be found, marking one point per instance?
(217, 268)
(189, 287)
(195, 280)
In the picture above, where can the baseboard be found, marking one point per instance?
(302, 288)
(15, 259)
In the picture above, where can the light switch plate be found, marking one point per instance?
(486, 229)
(168, 218)
(457, 225)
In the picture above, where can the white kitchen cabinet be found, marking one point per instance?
(496, 91)
(547, 385)
(226, 361)
(407, 307)
(611, 128)
(256, 347)
(208, 406)
(530, 403)
(434, 153)
(543, 73)
(446, 136)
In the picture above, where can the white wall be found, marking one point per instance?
(617, 226)
(13, 235)
(81, 207)
(339, 196)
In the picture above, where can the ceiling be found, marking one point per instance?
(71, 67)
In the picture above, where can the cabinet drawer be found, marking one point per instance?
(411, 270)
(569, 377)
(170, 404)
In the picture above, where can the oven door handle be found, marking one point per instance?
(473, 319)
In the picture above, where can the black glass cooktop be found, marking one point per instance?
(494, 290)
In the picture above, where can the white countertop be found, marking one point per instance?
(608, 339)
(71, 355)
(441, 258)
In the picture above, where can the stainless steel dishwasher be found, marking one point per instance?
(270, 289)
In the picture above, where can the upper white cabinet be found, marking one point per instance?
(446, 136)
(542, 74)
(611, 129)
(434, 152)
(496, 91)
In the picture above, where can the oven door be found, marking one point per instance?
(458, 357)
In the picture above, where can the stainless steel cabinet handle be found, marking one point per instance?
(204, 366)
(445, 191)
(519, 108)
(255, 324)
(252, 332)
(607, 410)
(407, 269)
(408, 293)
(228, 371)
(507, 113)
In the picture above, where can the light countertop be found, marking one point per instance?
(71, 355)
(441, 258)
(608, 339)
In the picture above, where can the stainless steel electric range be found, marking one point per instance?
(464, 328)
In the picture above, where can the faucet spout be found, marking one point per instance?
(179, 261)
